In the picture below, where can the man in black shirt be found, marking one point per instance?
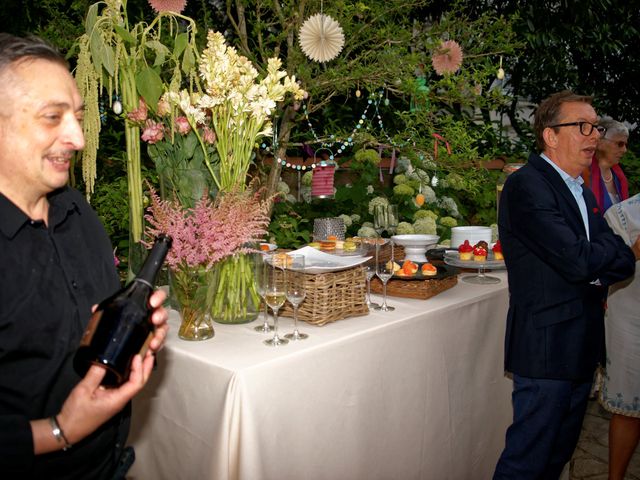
(56, 262)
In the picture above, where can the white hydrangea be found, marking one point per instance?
(426, 225)
(429, 194)
(283, 187)
(370, 190)
(449, 204)
(346, 219)
(367, 232)
(355, 218)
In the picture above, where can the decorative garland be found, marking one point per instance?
(342, 144)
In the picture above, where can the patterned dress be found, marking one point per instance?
(620, 390)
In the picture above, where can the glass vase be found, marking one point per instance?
(235, 298)
(193, 291)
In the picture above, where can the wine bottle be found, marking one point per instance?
(121, 326)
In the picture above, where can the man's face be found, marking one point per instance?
(573, 151)
(40, 128)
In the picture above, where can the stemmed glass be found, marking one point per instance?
(392, 219)
(385, 272)
(296, 292)
(380, 223)
(261, 265)
(370, 271)
(276, 294)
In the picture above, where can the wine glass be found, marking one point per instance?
(370, 272)
(392, 219)
(275, 295)
(296, 292)
(380, 223)
(261, 265)
(385, 272)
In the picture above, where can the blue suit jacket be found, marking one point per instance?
(555, 325)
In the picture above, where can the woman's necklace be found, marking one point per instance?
(608, 180)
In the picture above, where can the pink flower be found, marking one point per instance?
(168, 5)
(209, 136)
(447, 58)
(182, 124)
(139, 114)
(153, 132)
(211, 230)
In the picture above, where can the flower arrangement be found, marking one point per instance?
(235, 105)
(206, 258)
(175, 148)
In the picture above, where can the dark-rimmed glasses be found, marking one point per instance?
(586, 128)
(618, 143)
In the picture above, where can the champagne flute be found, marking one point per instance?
(261, 265)
(296, 292)
(370, 272)
(385, 272)
(275, 295)
(380, 218)
(392, 219)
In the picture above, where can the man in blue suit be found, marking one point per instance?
(560, 256)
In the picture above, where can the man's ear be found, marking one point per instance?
(550, 137)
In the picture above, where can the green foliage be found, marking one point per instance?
(288, 229)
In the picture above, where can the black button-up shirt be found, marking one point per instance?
(50, 276)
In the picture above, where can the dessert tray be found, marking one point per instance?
(452, 257)
(443, 272)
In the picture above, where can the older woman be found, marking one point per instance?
(605, 177)
(620, 390)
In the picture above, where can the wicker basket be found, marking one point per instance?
(420, 289)
(331, 296)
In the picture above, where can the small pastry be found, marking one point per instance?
(465, 250)
(428, 270)
(339, 244)
(349, 246)
(315, 245)
(482, 244)
(409, 268)
(327, 245)
(497, 251)
(479, 254)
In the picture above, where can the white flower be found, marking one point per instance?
(369, 189)
(449, 204)
(346, 219)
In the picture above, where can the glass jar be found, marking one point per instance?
(507, 170)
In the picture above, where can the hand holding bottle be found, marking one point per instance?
(89, 404)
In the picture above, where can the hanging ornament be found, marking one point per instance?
(117, 106)
(321, 38)
(500, 73)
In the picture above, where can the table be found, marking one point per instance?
(418, 393)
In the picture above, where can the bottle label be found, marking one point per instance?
(87, 336)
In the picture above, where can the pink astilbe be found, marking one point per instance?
(447, 58)
(168, 5)
(211, 230)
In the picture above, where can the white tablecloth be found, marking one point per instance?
(418, 393)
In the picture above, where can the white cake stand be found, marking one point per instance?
(416, 245)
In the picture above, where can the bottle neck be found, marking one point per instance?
(153, 263)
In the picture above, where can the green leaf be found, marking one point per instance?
(125, 35)
(149, 85)
(96, 45)
(188, 61)
(160, 50)
(92, 17)
(181, 43)
(108, 59)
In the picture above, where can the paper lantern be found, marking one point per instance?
(321, 38)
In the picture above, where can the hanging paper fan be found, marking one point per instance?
(321, 38)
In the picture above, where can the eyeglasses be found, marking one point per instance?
(586, 128)
(619, 143)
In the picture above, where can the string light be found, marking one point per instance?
(337, 144)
